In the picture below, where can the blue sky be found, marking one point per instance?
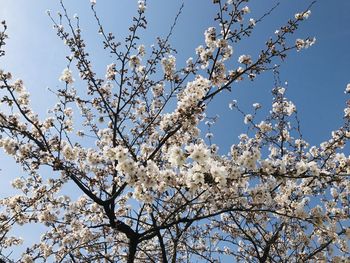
(316, 77)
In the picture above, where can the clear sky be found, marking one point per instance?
(316, 77)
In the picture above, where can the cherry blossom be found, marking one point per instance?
(150, 184)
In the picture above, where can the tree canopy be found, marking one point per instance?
(149, 185)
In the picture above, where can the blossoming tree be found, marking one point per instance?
(151, 188)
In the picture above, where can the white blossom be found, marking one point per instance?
(245, 59)
(67, 76)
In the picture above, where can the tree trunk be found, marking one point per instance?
(132, 249)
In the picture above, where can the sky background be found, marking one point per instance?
(316, 77)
